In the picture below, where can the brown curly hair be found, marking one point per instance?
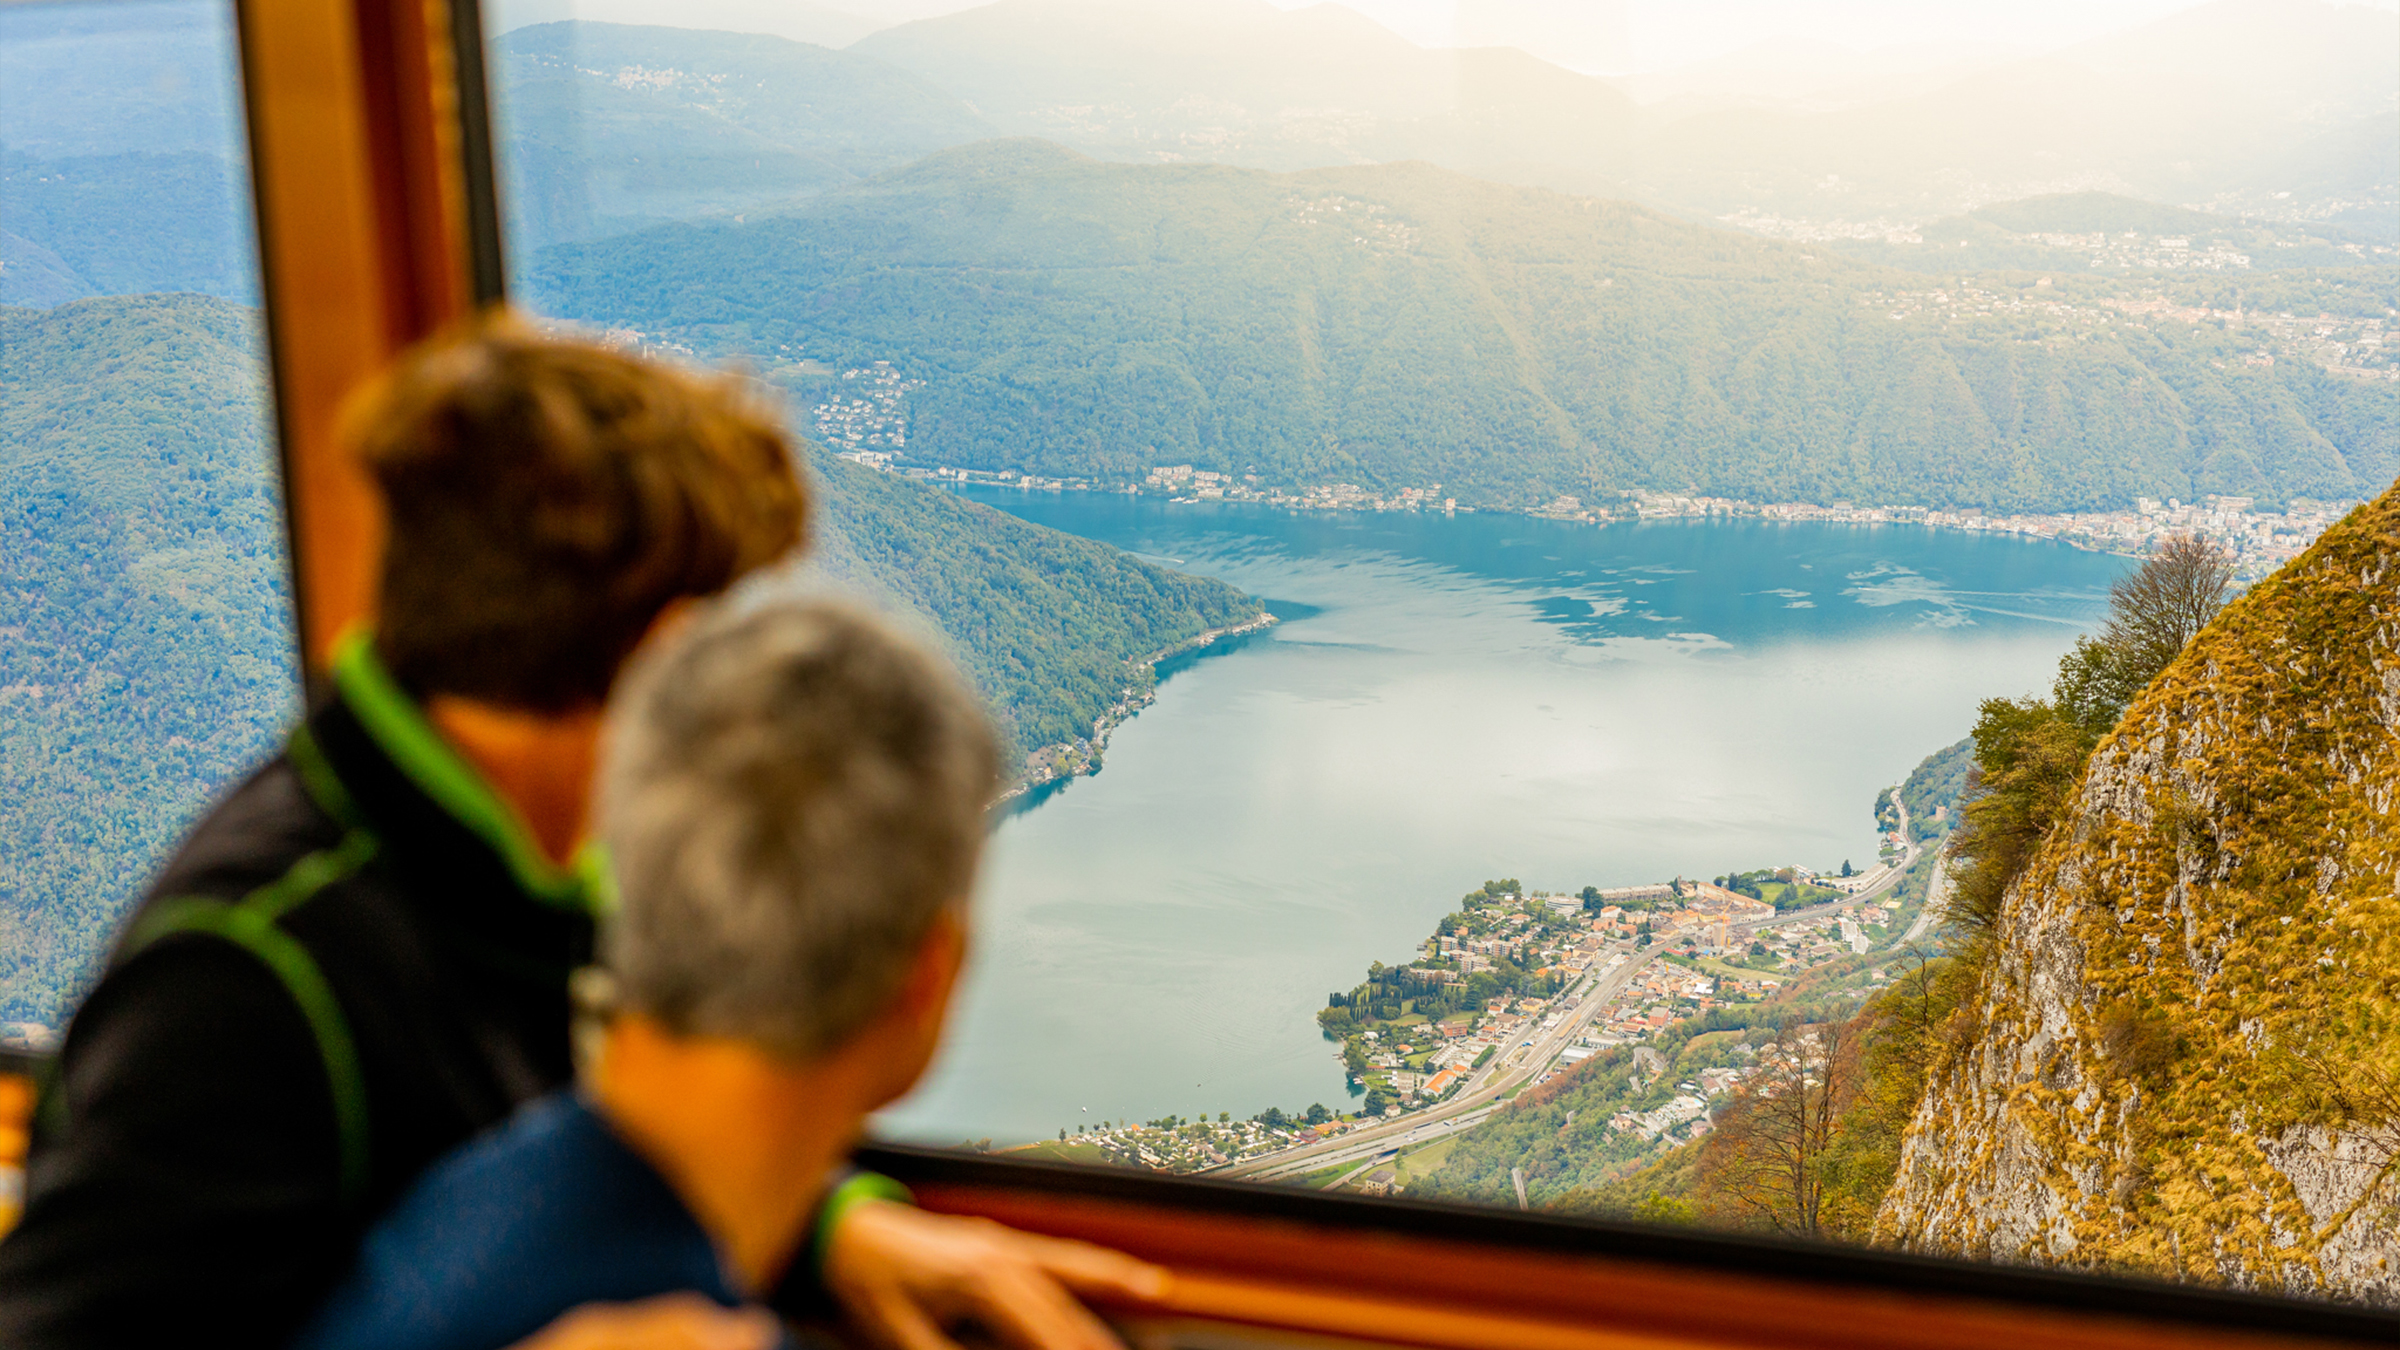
(548, 498)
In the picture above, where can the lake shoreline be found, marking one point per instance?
(1060, 761)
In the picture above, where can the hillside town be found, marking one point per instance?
(2260, 541)
(1186, 484)
(866, 417)
(1525, 985)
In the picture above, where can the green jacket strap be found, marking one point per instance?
(251, 924)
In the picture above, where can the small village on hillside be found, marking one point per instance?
(1521, 986)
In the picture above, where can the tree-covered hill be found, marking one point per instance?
(1399, 324)
(129, 223)
(1044, 622)
(145, 649)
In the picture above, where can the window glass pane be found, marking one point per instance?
(1528, 504)
(145, 629)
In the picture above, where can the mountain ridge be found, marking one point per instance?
(1399, 325)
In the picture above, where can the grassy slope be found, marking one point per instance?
(2224, 880)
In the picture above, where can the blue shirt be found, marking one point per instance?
(536, 1217)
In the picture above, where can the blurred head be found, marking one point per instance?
(548, 499)
(794, 802)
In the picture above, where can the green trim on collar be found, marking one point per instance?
(440, 772)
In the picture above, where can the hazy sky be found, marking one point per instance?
(1595, 36)
(1642, 35)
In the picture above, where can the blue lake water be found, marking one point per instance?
(1449, 699)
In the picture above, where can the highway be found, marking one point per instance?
(1532, 1058)
(1937, 894)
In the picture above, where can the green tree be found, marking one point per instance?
(2030, 753)
(2153, 613)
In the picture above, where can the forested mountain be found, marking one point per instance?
(1401, 325)
(605, 128)
(145, 653)
(145, 650)
(124, 164)
(128, 223)
(1044, 622)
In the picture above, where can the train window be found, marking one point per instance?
(146, 650)
(1578, 587)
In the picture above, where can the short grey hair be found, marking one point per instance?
(791, 795)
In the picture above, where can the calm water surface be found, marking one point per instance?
(1449, 700)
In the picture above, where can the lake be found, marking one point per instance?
(1448, 700)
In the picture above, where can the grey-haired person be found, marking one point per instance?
(793, 799)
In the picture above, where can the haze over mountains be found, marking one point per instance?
(608, 128)
(1400, 325)
(123, 170)
(1071, 317)
(2282, 108)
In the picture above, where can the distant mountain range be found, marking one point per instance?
(606, 128)
(1400, 325)
(2232, 102)
(126, 172)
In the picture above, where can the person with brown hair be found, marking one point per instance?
(794, 802)
(360, 958)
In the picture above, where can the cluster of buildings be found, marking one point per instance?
(1187, 484)
(2358, 346)
(2100, 248)
(1176, 1145)
(1685, 1116)
(1666, 993)
(2260, 541)
(867, 414)
(2131, 248)
(1368, 224)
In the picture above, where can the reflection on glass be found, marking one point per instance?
(1528, 509)
(146, 660)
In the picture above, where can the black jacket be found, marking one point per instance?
(187, 1183)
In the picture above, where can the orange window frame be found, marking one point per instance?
(378, 223)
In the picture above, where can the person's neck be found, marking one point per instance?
(541, 763)
(747, 1140)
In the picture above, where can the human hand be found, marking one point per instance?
(667, 1322)
(901, 1274)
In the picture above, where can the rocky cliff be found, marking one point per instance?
(2184, 1055)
